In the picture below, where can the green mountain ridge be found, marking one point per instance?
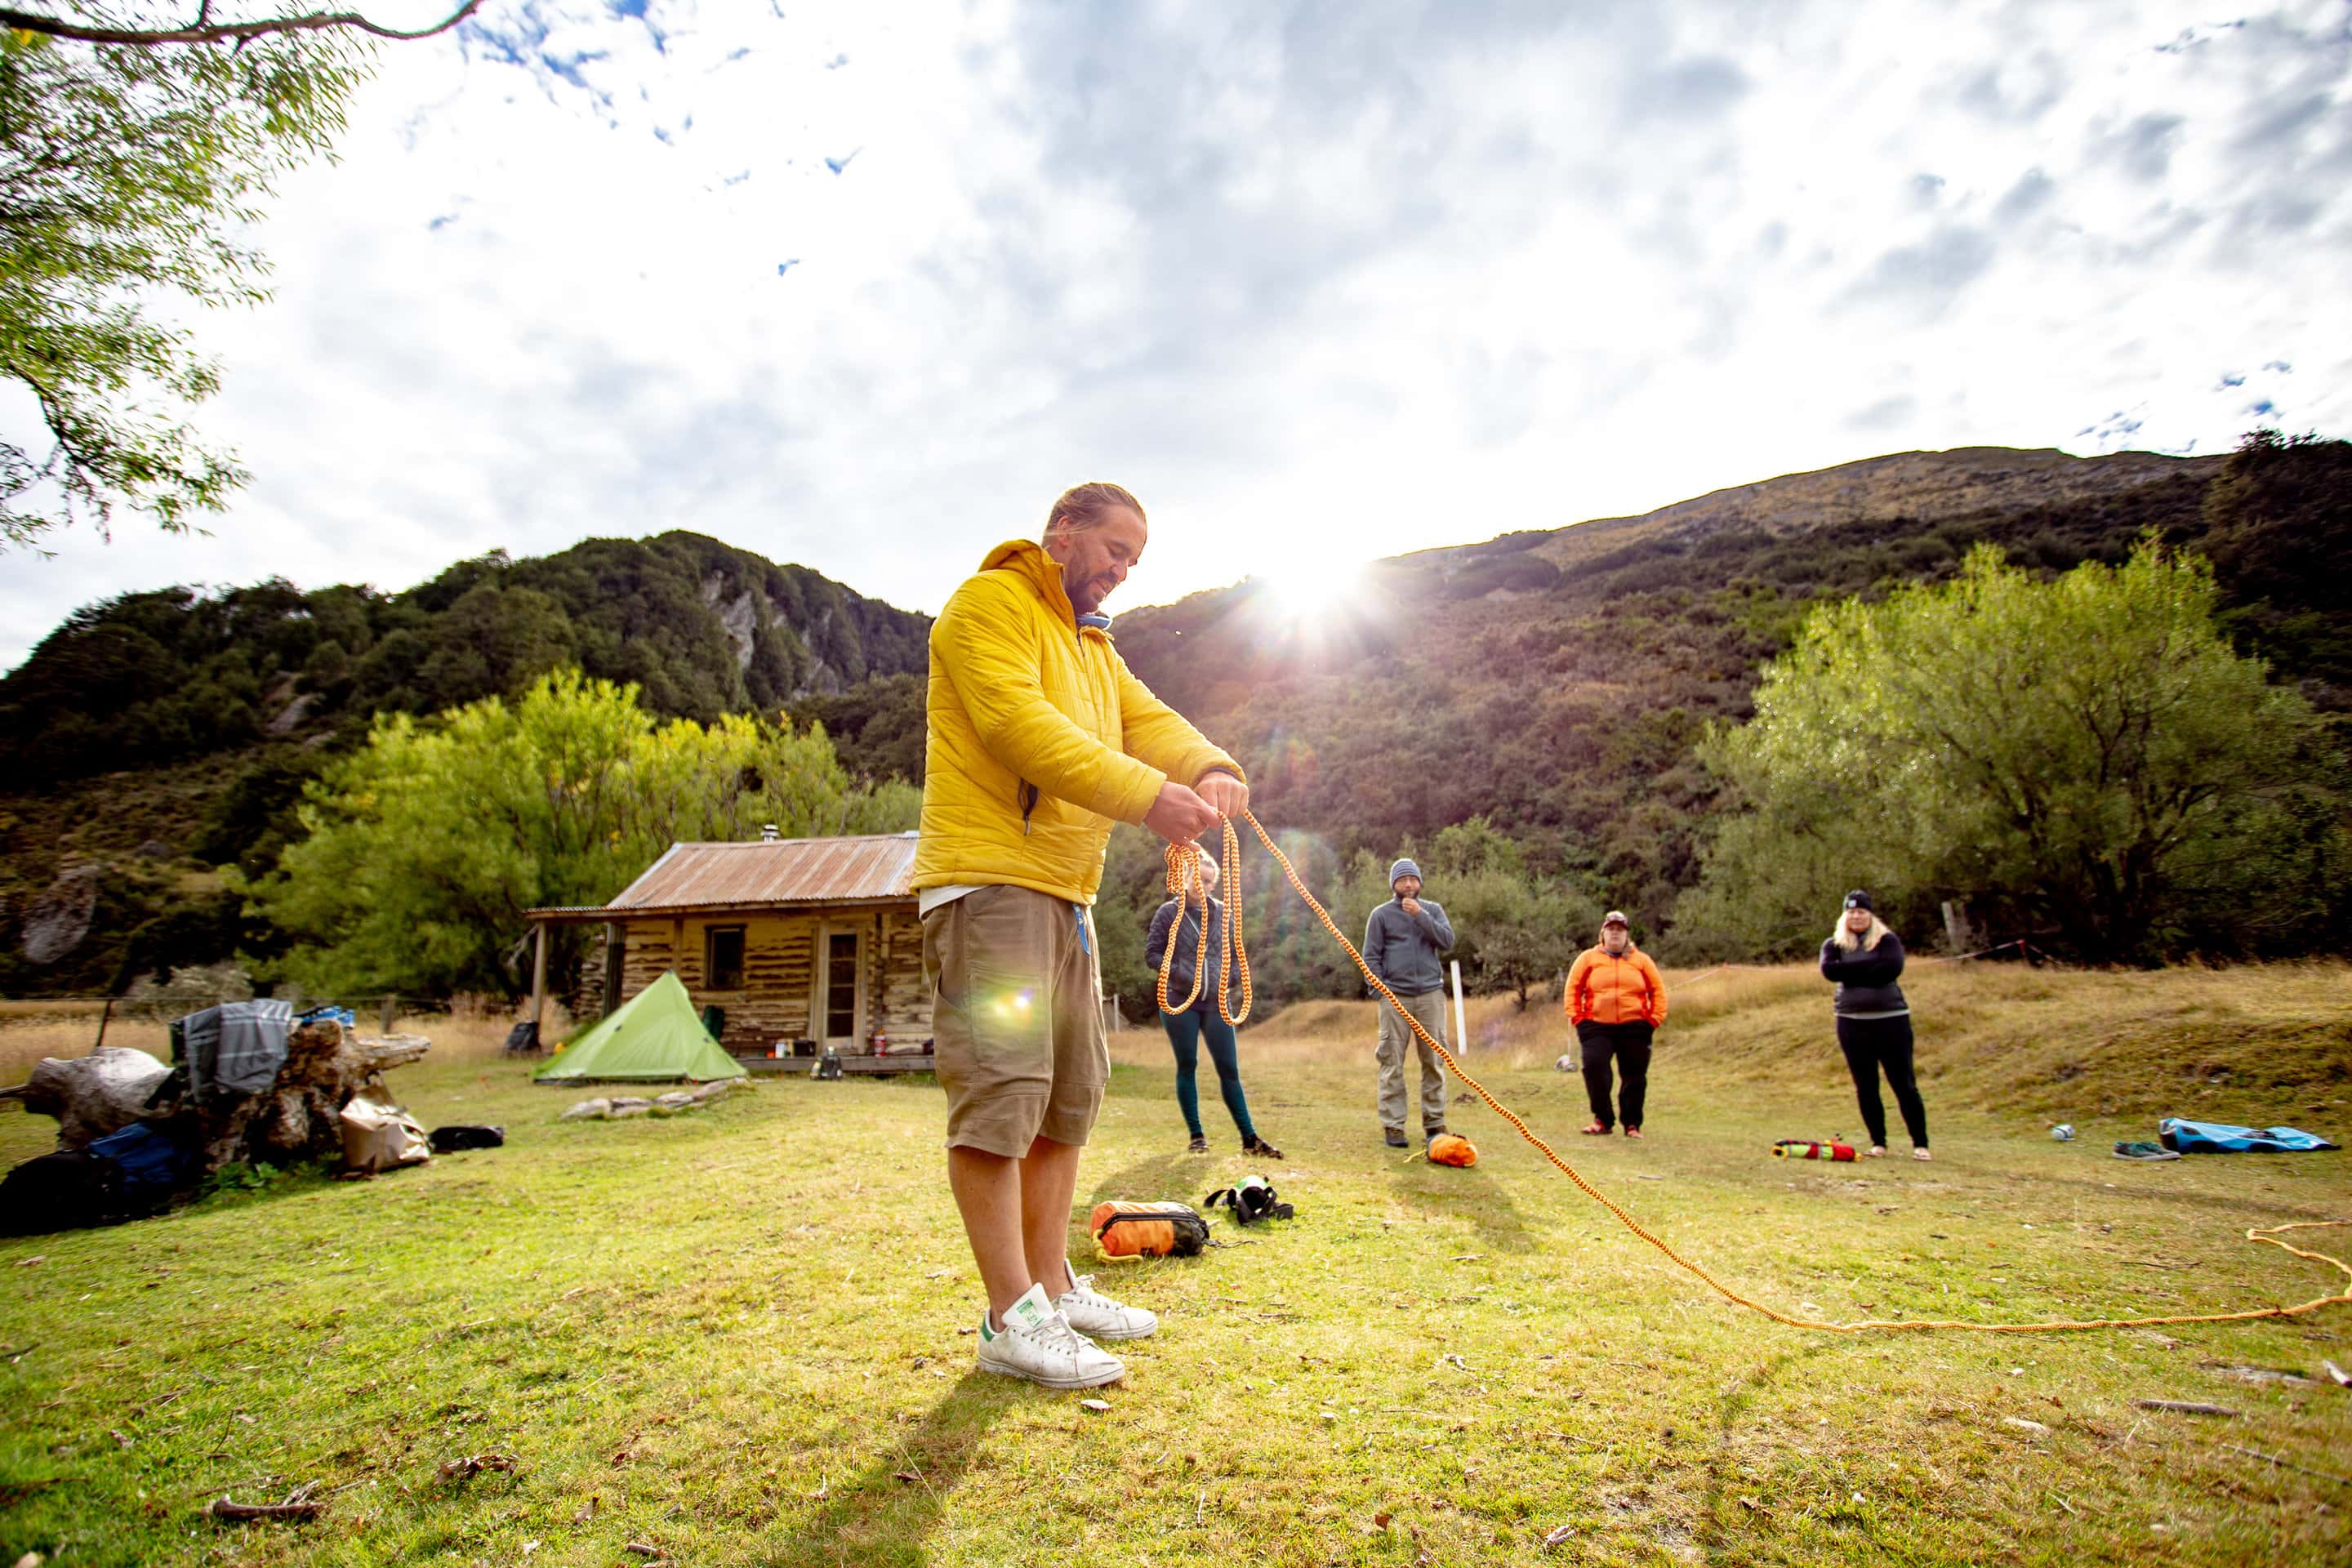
(1556, 682)
(1553, 681)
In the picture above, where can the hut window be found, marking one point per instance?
(723, 956)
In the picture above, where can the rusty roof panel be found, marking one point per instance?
(784, 872)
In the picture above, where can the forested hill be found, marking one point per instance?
(703, 627)
(1556, 681)
(154, 737)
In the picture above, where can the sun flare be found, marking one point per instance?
(1302, 591)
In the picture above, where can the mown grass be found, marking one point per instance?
(734, 1336)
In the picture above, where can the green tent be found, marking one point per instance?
(655, 1038)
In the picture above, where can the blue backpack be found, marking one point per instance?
(152, 1166)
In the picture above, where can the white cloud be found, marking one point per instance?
(1315, 280)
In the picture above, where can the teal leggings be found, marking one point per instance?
(1185, 1030)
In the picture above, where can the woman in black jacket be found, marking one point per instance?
(1874, 1021)
(1203, 917)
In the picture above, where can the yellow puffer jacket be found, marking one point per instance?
(1039, 736)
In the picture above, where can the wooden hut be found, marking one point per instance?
(806, 944)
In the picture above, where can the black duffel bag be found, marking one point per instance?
(69, 1189)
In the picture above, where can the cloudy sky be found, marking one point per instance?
(864, 286)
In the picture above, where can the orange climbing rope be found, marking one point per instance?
(1184, 873)
(1232, 954)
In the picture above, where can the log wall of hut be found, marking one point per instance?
(779, 994)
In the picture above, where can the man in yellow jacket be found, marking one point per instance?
(1039, 739)
(1617, 1001)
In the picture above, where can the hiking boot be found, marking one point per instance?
(1096, 1316)
(1254, 1144)
(1432, 1135)
(1396, 1138)
(1038, 1344)
(1200, 1145)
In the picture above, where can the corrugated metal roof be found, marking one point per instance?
(781, 873)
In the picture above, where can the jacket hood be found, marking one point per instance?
(1028, 558)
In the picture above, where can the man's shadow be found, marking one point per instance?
(882, 1518)
(1180, 1177)
(1468, 1194)
(1733, 1408)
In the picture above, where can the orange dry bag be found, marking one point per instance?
(1452, 1149)
(1148, 1230)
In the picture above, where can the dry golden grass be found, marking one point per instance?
(468, 1033)
(36, 1007)
(1501, 1034)
(2259, 1043)
(22, 1045)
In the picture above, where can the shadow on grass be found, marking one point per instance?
(882, 1517)
(1723, 1466)
(1470, 1196)
(2250, 1204)
(1177, 1176)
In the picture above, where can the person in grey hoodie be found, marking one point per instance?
(1401, 944)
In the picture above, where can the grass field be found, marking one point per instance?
(738, 1336)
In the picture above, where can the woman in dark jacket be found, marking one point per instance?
(1874, 1021)
(1202, 916)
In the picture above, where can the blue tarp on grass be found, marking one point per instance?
(2214, 1137)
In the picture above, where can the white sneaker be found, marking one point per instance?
(1097, 1316)
(1038, 1344)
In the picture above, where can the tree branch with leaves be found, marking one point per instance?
(133, 163)
(203, 29)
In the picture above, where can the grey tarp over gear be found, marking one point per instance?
(235, 1047)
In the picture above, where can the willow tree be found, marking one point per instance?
(2087, 757)
(421, 850)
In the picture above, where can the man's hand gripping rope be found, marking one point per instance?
(1185, 877)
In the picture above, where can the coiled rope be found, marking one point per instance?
(1184, 875)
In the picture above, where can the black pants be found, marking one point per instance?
(1629, 1044)
(1877, 1044)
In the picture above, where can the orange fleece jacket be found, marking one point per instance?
(1615, 990)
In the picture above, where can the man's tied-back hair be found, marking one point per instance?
(1081, 507)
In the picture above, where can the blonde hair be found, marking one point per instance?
(1081, 507)
(1867, 940)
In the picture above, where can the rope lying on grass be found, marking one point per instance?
(1184, 875)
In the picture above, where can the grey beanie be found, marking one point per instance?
(1401, 869)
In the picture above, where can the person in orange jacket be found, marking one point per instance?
(1617, 1003)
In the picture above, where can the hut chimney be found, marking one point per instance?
(767, 833)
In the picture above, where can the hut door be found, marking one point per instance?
(840, 1013)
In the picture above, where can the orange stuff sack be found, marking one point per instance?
(1148, 1230)
(1452, 1149)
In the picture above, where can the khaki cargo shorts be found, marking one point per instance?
(1016, 1019)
